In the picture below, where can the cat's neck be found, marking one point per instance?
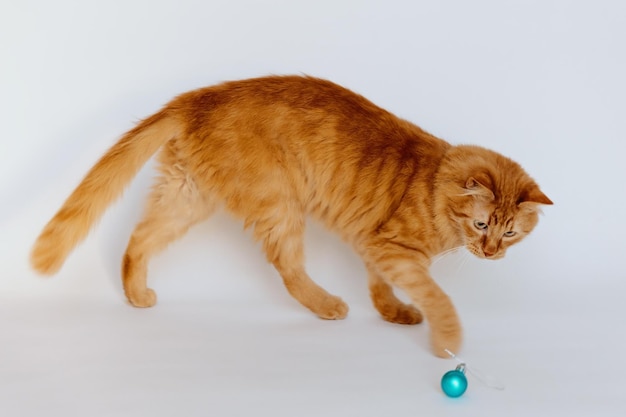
(449, 231)
(422, 220)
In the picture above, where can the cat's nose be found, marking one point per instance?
(489, 252)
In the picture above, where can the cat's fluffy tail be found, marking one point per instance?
(102, 185)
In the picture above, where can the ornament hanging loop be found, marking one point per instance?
(487, 380)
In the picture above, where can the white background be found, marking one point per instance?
(540, 81)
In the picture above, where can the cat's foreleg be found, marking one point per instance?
(407, 269)
(388, 305)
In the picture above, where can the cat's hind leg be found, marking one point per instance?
(281, 230)
(388, 305)
(174, 205)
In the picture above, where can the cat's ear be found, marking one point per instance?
(479, 186)
(534, 196)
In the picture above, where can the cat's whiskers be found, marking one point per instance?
(460, 261)
(464, 258)
(443, 254)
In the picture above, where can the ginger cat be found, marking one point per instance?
(273, 150)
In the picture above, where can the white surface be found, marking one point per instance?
(540, 81)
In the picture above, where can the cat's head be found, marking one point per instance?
(492, 202)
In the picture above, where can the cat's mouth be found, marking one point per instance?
(482, 254)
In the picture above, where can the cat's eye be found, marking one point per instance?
(510, 233)
(480, 225)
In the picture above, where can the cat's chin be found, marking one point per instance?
(477, 252)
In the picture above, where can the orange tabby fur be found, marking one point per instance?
(273, 150)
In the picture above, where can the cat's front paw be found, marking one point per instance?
(401, 314)
(143, 299)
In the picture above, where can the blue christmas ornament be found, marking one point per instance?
(454, 383)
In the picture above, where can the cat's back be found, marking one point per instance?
(344, 157)
(298, 96)
(296, 111)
